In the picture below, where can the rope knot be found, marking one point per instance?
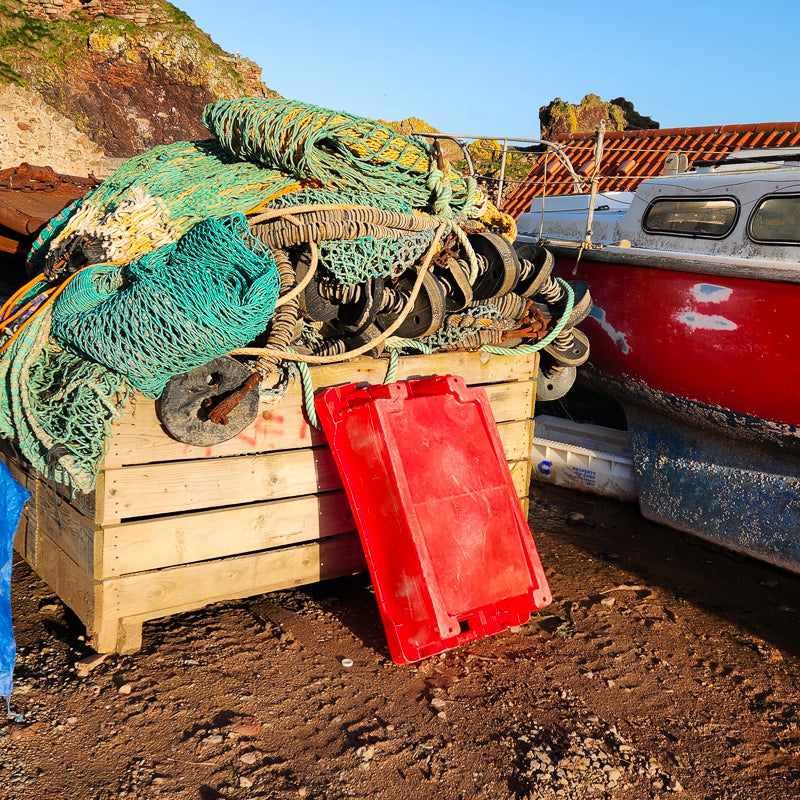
(440, 187)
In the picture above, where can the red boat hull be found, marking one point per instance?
(722, 342)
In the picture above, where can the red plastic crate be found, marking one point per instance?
(448, 547)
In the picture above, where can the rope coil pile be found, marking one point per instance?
(296, 235)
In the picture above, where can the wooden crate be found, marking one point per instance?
(172, 527)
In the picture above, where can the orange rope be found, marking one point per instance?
(20, 293)
(39, 310)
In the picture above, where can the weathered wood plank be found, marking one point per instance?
(71, 583)
(154, 489)
(79, 537)
(169, 487)
(221, 532)
(521, 477)
(164, 591)
(218, 533)
(475, 368)
(20, 535)
(138, 437)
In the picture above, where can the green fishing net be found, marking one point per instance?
(173, 309)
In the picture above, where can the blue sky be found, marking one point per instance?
(485, 68)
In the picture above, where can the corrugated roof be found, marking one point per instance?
(630, 157)
(29, 197)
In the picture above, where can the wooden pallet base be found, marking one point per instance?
(194, 526)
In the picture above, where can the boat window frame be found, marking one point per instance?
(695, 198)
(761, 201)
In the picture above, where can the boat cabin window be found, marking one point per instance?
(710, 217)
(776, 220)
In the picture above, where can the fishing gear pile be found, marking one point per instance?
(297, 235)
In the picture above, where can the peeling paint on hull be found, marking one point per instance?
(725, 477)
(709, 379)
(729, 343)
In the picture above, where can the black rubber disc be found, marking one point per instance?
(556, 385)
(502, 274)
(572, 351)
(582, 304)
(427, 315)
(538, 264)
(180, 407)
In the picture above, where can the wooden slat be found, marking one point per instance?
(70, 530)
(222, 532)
(71, 583)
(516, 438)
(138, 437)
(165, 591)
(521, 477)
(474, 368)
(218, 533)
(20, 535)
(164, 488)
(154, 489)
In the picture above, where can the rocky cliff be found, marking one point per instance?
(101, 80)
(85, 84)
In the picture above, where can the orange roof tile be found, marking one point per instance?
(630, 157)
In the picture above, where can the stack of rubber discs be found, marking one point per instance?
(511, 300)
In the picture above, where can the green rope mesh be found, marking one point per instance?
(339, 150)
(177, 280)
(173, 309)
(354, 261)
(315, 197)
(458, 327)
(57, 406)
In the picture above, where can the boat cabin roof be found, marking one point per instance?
(747, 206)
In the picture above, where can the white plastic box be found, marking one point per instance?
(586, 457)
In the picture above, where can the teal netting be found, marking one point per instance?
(313, 197)
(154, 198)
(57, 406)
(353, 261)
(462, 325)
(173, 309)
(339, 150)
(176, 281)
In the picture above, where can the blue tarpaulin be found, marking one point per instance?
(12, 499)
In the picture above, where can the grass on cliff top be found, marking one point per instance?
(56, 43)
(18, 32)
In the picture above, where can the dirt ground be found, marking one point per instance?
(664, 667)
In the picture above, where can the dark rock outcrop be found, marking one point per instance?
(560, 118)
